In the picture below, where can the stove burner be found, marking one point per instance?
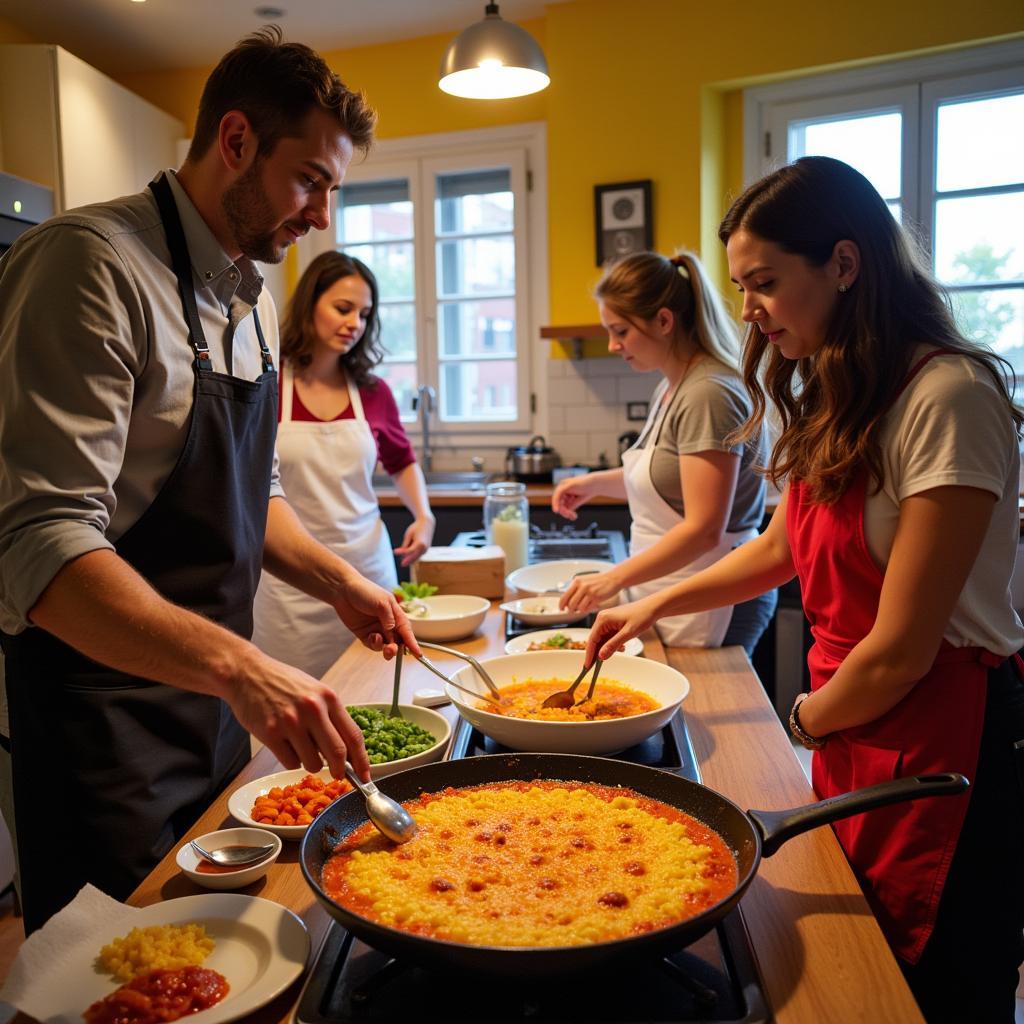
(562, 542)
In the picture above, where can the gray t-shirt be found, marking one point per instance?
(709, 404)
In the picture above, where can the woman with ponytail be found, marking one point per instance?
(692, 489)
(899, 456)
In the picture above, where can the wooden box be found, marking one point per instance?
(477, 571)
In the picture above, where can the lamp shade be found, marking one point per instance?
(492, 60)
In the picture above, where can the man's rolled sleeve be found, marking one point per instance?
(72, 341)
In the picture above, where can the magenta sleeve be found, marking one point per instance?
(381, 410)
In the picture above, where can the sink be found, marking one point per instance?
(447, 480)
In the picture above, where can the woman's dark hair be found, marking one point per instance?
(298, 335)
(832, 404)
(276, 85)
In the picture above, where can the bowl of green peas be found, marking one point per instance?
(420, 736)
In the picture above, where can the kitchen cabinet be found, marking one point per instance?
(66, 125)
(575, 335)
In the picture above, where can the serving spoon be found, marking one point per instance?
(233, 856)
(389, 816)
(566, 698)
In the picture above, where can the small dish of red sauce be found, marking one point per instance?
(217, 876)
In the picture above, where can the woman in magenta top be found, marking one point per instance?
(336, 420)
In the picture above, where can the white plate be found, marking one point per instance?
(261, 949)
(541, 576)
(541, 611)
(240, 802)
(521, 644)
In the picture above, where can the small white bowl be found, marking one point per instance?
(521, 644)
(451, 617)
(241, 800)
(187, 859)
(541, 611)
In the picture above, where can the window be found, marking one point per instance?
(451, 230)
(940, 139)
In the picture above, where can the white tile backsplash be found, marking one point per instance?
(587, 406)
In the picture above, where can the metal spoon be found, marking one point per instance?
(565, 698)
(389, 816)
(394, 712)
(561, 588)
(233, 856)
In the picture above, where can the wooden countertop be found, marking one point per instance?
(819, 950)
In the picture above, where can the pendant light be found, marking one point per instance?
(493, 60)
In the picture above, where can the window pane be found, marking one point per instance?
(995, 318)
(484, 390)
(869, 142)
(980, 142)
(398, 331)
(373, 211)
(392, 265)
(401, 378)
(978, 239)
(896, 209)
(477, 328)
(476, 266)
(473, 202)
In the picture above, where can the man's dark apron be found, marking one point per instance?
(110, 770)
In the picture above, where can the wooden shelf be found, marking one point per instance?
(575, 335)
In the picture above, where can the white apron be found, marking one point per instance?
(326, 471)
(653, 517)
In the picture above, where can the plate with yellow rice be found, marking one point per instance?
(258, 946)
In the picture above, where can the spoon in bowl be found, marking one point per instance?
(233, 856)
(389, 816)
(566, 698)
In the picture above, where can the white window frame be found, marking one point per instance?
(522, 148)
(764, 149)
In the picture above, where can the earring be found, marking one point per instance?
(844, 288)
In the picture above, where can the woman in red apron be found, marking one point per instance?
(900, 519)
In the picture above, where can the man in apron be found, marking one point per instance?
(139, 495)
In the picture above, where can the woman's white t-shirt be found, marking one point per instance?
(951, 427)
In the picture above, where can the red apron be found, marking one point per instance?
(901, 853)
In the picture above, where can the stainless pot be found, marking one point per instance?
(532, 462)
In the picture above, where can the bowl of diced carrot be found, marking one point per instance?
(286, 802)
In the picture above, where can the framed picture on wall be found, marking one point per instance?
(622, 215)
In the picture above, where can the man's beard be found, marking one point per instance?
(251, 217)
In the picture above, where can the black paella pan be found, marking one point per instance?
(750, 835)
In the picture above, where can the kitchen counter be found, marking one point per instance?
(819, 950)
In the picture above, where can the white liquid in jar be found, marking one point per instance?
(512, 536)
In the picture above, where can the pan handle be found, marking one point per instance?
(776, 827)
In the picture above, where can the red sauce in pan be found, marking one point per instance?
(159, 996)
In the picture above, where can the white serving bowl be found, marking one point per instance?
(541, 611)
(667, 686)
(433, 721)
(451, 617)
(542, 576)
(188, 860)
(521, 644)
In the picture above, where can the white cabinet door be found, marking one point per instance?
(96, 119)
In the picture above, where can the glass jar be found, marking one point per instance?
(507, 521)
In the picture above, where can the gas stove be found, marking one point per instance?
(562, 542)
(712, 980)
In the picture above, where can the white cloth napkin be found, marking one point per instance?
(68, 934)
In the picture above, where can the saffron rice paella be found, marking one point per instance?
(528, 864)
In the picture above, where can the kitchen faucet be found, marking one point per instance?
(423, 402)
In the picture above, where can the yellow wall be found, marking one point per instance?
(648, 89)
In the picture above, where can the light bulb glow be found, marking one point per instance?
(493, 81)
